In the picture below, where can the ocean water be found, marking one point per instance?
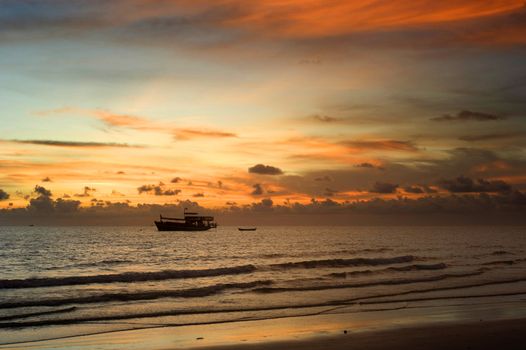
(65, 281)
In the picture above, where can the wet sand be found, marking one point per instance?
(482, 326)
(482, 335)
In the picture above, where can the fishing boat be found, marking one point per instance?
(247, 228)
(190, 222)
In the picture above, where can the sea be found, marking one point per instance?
(58, 282)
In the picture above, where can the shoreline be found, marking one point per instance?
(481, 335)
(459, 327)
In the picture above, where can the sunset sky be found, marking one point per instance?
(233, 103)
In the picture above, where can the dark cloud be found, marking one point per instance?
(383, 187)
(3, 195)
(42, 191)
(502, 208)
(464, 184)
(87, 192)
(46, 179)
(265, 170)
(513, 201)
(258, 190)
(121, 173)
(158, 190)
(66, 206)
(264, 206)
(147, 188)
(467, 116)
(488, 137)
(43, 203)
(472, 162)
(175, 180)
(168, 193)
(267, 202)
(74, 143)
(199, 194)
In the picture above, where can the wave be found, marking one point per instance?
(415, 267)
(149, 295)
(368, 300)
(505, 262)
(501, 252)
(124, 277)
(128, 277)
(398, 281)
(311, 264)
(38, 313)
(107, 262)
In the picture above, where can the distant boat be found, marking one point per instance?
(247, 228)
(190, 222)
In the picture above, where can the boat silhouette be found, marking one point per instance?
(190, 222)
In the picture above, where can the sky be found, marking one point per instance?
(305, 108)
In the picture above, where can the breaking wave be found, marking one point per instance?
(149, 295)
(128, 277)
(124, 277)
(311, 264)
(398, 281)
(415, 267)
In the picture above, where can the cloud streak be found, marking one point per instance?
(75, 144)
(465, 115)
(189, 134)
(490, 137)
(381, 145)
(204, 23)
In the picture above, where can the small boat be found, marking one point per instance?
(190, 222)
(247, 228)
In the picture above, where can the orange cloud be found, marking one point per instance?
(132, 122)
(318, 18)
(124, 120)
(187, 134)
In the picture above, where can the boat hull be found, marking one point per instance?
(175, 226)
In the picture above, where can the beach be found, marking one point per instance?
(492, 323)
(496, 335)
